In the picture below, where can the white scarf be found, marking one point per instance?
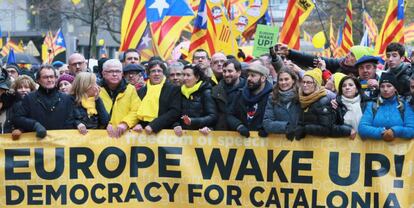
(354, 113)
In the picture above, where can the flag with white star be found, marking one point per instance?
(156, 10)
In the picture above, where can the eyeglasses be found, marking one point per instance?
(308, 82)
(200, 57)
(112, 71)
(218, 62)
(77, 63)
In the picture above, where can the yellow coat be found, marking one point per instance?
(125, 106)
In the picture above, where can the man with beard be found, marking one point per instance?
(224, 92)
(247, 110)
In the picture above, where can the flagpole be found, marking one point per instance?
(91, 30)
(323, 27)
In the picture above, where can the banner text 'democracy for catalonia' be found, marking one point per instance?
(222, 169)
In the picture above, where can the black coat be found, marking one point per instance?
(169, 107)
(332, 64)
(51, 108)
(238, 111)
(402, 74)
(200, 107)
(94, 122)
(318, 119)
(223, 98)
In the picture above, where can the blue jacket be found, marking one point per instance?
(388, 116)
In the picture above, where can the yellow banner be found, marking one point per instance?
(219, 170)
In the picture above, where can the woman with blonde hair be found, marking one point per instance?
(89, 111)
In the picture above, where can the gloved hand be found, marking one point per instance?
(244, 131)
(290, 132)
(388, 135)
(40, 130)
(300, 133)
(262, 133)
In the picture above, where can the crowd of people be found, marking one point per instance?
(283, 92)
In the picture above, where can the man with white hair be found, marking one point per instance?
(120, 99)
(77, 63)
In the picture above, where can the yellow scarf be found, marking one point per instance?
(306, 101)
(214, 79)
(148, 109)
(187, 91)
(89, 105)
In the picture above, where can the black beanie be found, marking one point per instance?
(387, 77)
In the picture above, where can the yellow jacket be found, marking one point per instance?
(124, 108)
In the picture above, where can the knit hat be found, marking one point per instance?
(258, 68)
(337, 77)
(316, 74)
(387, 77)
(360, 51)
(66, 77)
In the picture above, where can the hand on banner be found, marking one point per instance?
(178, 130)
(204, 131)
(138, 128)
(82, 128)
(353, 134)
(148, 129)
(120, 129)
(40, 130)
(244, 131)
(388, 135)
(16, 134)
(110, 130)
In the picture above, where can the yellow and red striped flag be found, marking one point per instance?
(347, 40)
(296, 13)
(409, 33)
(204, 33)
(10, 44)
(392, 29)
(332, 42)
(370, 26)
(134, 22)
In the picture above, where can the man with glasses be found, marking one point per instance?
(134, 74)
(46, 108)
(161, 101)
(217, 61)
(201, 58)
(120, 99)
(131, 56)
(77, 63)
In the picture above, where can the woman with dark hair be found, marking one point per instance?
(283, 107)
(198, 110)
(389, 117)
(350, 104)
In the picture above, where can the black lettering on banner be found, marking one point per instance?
(357, 201)
(334, 169)
(216, 159)
(297, 166)
(233, 194)
(253, 196)
(10, 164)
(59, 164)
(369, 172)
(315, 199)
(147, 192)
(32, 194)
(249, 157)
(133, 192)
(275, 165)
(392, 201)
(102, 162)
(331, 198)
(286, 192)
(75, 165)
(300, 199)
(220, 195)
(192, 193)
(273, 198)
(135, 164)
(60, 192)
(114, 191)
(171, 190)
(94, 191)
(163, 161)
(85, 194)
(9, 194)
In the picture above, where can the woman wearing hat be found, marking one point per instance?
(283, 107)
(316, 117)
(389, 117)
(198, 109)
(64, 83)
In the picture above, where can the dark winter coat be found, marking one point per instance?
(169, 107)
(94, 122)
(402, 74)
(281, 118)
